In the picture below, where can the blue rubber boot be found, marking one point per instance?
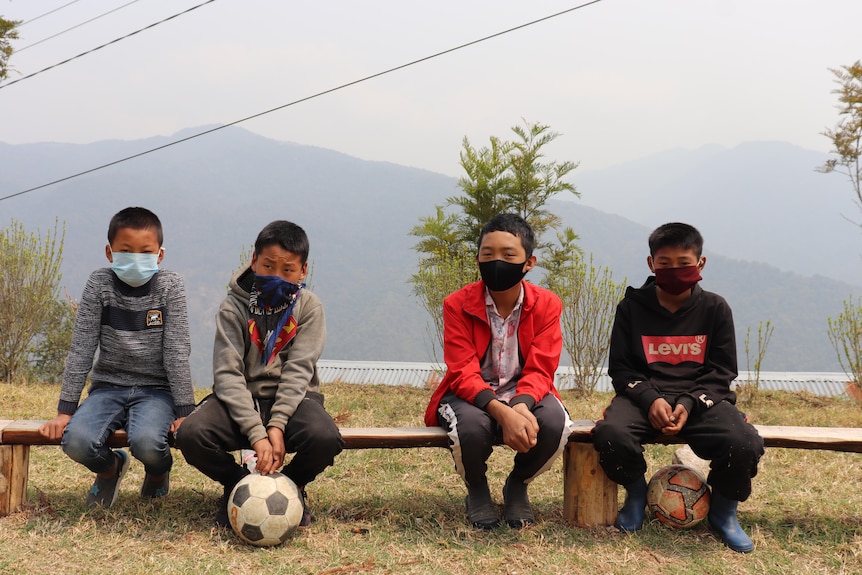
(722, 519)
(631, 515)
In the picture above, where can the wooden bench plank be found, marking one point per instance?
(589, 497)
(848, 439)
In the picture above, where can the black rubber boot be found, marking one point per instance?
(631, 515)
(722, 519)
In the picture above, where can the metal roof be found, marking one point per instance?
(419, 374)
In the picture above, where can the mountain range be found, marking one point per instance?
(778, 244)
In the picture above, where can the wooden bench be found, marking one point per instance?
(589, 497)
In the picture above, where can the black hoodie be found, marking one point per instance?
(688, 357)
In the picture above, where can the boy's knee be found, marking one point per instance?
(186, 435)
(606, 434)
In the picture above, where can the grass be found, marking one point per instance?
(401, 511)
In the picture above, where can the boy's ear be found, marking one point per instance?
(161, 256)
(649, 263)
(529, 264)
(702, 263)
(108, 253)
(303, 272)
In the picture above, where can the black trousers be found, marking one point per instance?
(473, 434)
(719, 434)
(209, 435)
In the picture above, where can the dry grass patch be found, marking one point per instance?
(402, 511)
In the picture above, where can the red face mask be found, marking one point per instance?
(677, 280)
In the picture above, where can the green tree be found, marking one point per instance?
(846, 136)
(29, 284)
(752, 384)
(8, 32)
(48, 351)
(590, 296)
(505, 176)
(845, 334)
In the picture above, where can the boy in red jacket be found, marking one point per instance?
(672, 361)
(501, 344)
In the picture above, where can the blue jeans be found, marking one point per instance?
(145, 413)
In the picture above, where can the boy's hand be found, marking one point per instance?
(660, 414)
(679, 418)
(176, 424)
(520, 427)
(269, 451)
(53, 429)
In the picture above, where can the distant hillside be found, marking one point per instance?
(214, 194)
(758, 201)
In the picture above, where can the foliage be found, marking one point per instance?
(503, 177)
(439, 275)
(509, 177)
(29, 283)
(49, 350)
(845, 334)
(589, 297)
(764, 333)
(8, 31)
(846, 136)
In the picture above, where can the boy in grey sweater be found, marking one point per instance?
(135, 315)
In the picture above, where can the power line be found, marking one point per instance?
(48, 12)
(75, 26)
(299, 101)
(108, 44)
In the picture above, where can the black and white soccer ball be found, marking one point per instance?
(265, 510)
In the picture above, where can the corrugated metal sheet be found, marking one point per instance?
(417, 374)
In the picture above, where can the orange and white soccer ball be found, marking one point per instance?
(678, 496)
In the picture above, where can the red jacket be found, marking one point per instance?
(467, 335)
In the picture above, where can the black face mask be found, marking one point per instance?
(500, 275)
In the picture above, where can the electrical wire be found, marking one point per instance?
(107, 44)
(75, 26)
(299, 101)
(48, 12)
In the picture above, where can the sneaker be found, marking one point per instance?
(221, 516)
(306, 514)
(104, 492)
(517, 510)
(150, 489)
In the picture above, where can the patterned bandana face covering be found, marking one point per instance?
(500, 275)
(271, 293)
(134, 269)
(677, 280)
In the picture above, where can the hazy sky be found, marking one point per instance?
(619, 79)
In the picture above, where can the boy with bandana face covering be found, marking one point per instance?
(501, 343)
(672, 361)
(270, 332)
(135, 315)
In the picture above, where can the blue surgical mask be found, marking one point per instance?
(134, 269)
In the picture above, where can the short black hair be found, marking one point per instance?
(286, 234)
(678, 235)
(136, 219)
(515, 225)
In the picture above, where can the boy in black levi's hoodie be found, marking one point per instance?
(672, 361)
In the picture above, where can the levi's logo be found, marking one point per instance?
(674, 349)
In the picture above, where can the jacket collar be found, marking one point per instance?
(474, 298)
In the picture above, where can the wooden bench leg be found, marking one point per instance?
(14, 466)
(589, 497)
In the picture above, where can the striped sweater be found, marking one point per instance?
(141, 335)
